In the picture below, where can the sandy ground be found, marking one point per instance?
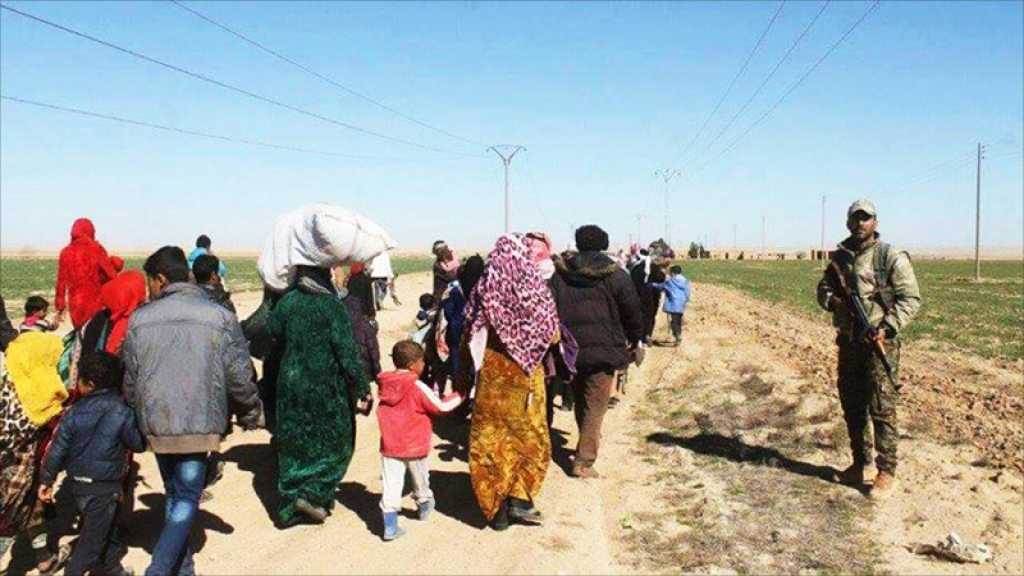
(740, 430)
(713, 462)
(236, 535)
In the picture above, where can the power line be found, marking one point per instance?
(742, 69)
(227, 86)
(186, 131)
(330, 81)
(796, 84)
(767, 78)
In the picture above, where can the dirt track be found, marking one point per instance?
(715, 461)
(236, 533)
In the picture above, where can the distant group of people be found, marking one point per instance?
(158, 359)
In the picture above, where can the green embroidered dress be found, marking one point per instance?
(321, 376)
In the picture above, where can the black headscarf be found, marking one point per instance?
(470, 273)
(313, 280)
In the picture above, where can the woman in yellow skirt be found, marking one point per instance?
(512, 321)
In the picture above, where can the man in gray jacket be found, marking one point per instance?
(186, 361)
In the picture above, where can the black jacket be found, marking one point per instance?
(218, 295)
(7, 331)
(365, 334)
(598, 303)
(91, 442)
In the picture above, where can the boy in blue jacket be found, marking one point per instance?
(91, 443)
(677, 296)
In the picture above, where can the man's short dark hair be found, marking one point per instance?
(427, 301)
(205, 266)
(591, 238)
(169, 261)
(203, 241)
(101, 369)
(405, 353)
(35, 304)
(677, 269)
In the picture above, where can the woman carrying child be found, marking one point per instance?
(511, 322)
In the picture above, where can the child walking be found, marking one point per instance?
(35, 320)
(677, 296)
(91, 443)
(406, 405)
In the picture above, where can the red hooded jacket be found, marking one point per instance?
(403, 414)
(84, 266)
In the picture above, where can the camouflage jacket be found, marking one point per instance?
(905, 295)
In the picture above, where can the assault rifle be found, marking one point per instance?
(863, 330)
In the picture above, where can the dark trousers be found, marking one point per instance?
(676, 323)
(99, 549)
(865, 393)
(555, 386)
(592, 391)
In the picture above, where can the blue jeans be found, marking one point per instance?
(184, 476)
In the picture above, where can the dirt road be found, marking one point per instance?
(235, 533)
(740, 432)
(717, 460)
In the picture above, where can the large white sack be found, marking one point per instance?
(318, 235)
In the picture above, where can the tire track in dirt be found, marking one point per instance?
(740, 428)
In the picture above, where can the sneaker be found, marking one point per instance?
(52, 564)
(853, 475)
(314, 513)
(884, 485)
(424, 509)
(584, 472)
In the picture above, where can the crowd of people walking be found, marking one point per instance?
(498, 337)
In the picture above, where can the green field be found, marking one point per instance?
(986, 318)
(21, 277)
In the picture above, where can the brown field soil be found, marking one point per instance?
(716, 460)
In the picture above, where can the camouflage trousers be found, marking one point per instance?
(866, 394)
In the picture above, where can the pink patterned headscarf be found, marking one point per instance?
(515, 302)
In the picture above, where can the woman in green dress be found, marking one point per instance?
(321, 384)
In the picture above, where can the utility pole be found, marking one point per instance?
(510, 152)
(977, 218)
(639, 229)
(823, 226)
(734, 246)
(764, 235)
(667, 174)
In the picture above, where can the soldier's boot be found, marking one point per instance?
(884, 486)
(853, 475)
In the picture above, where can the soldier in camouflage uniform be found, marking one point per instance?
(885, 283)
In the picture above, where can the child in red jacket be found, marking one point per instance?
(406, 405)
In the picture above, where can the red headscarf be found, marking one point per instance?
(121, 296)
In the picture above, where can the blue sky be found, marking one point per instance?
(601, 94)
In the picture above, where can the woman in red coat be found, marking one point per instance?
(83, 268)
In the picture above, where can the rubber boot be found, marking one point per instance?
(391, 529)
